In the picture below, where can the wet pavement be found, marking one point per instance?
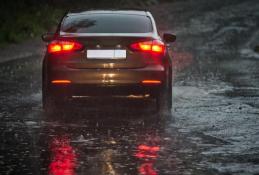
(214, 122)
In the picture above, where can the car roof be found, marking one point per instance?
(124, 12)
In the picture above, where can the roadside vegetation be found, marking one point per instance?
(25, 19)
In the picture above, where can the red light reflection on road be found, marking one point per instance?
(63, 160)
(148, 154)
(147, 169)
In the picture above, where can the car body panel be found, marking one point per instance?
(107, 75)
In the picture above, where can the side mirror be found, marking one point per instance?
(169, 38)
(47, 37)
(256, 49)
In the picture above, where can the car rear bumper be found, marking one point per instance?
(106, 82)
(107, 76)
(83, 91)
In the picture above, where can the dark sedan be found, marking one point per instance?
(114, 53)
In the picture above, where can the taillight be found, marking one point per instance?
(155, 46)
(64, 46)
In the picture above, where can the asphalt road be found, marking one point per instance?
(214, 123)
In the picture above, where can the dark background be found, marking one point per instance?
(22, 19)
(215, 117)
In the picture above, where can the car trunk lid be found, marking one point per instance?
(108, 52)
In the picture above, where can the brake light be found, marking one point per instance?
(155, 46)
(64, 46)
(144, 46)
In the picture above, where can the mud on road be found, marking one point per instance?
(215, 111)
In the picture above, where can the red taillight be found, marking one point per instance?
(64, 46)
(143, 46)
(155, 46)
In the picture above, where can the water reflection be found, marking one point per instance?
(63, 157)
(147, 155)
(101, 146)
(108, 166)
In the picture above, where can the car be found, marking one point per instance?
(107, 53)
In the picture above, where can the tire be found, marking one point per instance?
(164, 98)
(53, 106)
(50, 106)
(164, 101)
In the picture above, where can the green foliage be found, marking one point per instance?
(29, 18)
(28, 23)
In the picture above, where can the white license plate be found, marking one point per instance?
(106, 54)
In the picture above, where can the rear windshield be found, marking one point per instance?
(106, 23)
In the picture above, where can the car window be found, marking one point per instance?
(106, 23)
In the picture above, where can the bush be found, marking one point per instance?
(29, 23)
(30, 18)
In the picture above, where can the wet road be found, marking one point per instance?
(214, 127)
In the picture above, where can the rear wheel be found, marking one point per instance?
(164, 101)
(52, 105)
(163, 112)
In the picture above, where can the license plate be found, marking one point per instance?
(106, 54)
